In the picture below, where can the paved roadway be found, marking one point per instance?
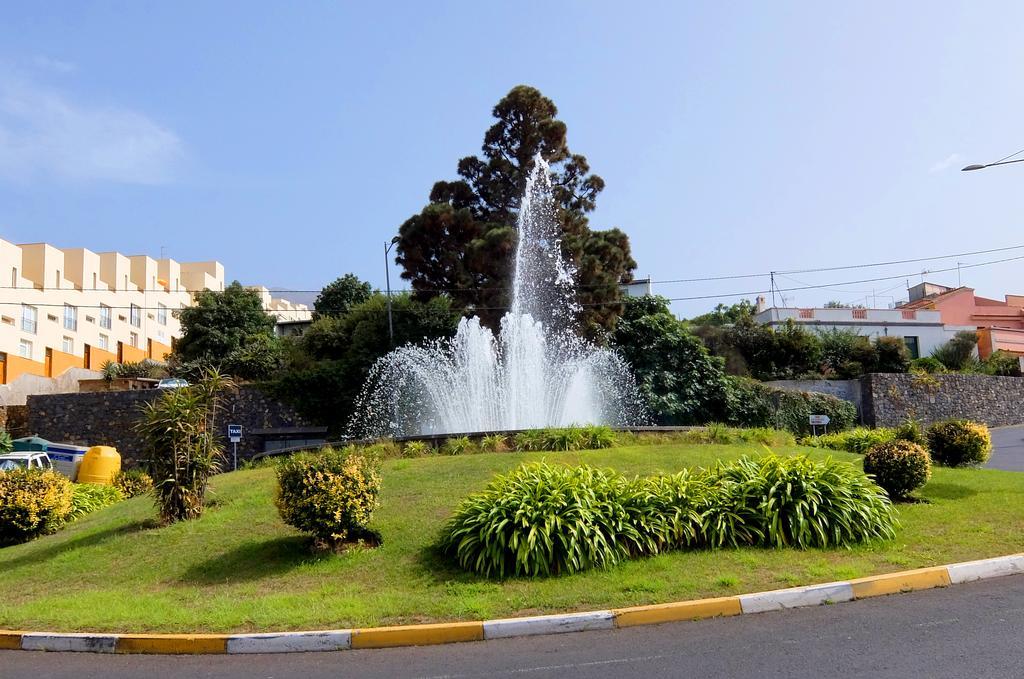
(1008, 449)
(972, 630)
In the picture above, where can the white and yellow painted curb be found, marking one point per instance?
(451, 632)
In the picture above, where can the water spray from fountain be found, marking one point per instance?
(538, 371)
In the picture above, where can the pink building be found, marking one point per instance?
(1000, 324)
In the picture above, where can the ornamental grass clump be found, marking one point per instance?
(857, 440)
(543, 519)
(32, 503)
(959, 443)
(86, 498)
(900, 467)
(797, 502)
(331, 495)
(133, 482)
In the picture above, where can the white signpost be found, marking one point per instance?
(235, 435)
(818, 421)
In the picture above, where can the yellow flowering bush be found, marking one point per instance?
(959, 443)
(331, 494)
(32, 503)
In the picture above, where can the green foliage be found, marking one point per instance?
(146, 369)
(959, 443)
(463, 239)
(88, 497)
(958, 354)
(133, 482)
(339, 296)
(845, 353)
(180, 433)
(680, 382)
(335, 354)
(32, 503)
(752, 404)
(725, 315)
(416, 449)
(493, 443)
(898, 466)
(543, 519)
(1002, 363)
(598, 436)
(330, 495)
(6, 442)
(219, 323)
(927, 364)
(530, 440)
(857, 440)
(591, 437)
(787, 352)
(259, 358)
(911, 431)
(458, 445)
(721, 434)
(891, 355)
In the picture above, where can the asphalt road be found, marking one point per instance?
(1007, 449)
(972, 630)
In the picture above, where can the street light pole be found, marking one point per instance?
(1002, 161)
(387, 282)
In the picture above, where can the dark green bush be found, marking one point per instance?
(32, 503)
(331, 494)
(928, 364)
(959, 352)
(458, 445)
(752, 404)
(1002, 363)
(133, 482)
(88, 497)
(911, 431)
(959, 443)
(416, 449)
(493, 443)
(891, 355)
(898, 466)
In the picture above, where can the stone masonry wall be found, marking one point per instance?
(109, 418)
(889, 399)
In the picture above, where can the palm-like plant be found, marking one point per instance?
(180, 430)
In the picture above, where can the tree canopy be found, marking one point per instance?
(462, 242)
(341, 295)
(219, 323)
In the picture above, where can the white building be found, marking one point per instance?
(923, 331)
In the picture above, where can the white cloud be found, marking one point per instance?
(949, 161)
(45, 135)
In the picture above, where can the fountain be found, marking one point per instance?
(538, 371)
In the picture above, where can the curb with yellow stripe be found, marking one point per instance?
(445, 633)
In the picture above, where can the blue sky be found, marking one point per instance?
(289, 140)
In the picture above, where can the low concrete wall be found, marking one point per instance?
(891, 399)
(109, 418)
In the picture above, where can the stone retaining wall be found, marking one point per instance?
(890, 399)
(109, 418)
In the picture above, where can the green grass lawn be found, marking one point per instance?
(240, 569)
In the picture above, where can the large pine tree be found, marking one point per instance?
(462, 243)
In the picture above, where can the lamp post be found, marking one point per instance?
(1001, 161)
(387, 280)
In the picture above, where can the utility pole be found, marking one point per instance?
(773, 287)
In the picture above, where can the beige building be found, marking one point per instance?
(74, 308)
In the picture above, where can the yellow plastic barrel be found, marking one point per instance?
(100, 465)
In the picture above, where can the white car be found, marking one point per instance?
(171, 383)
(25, 460)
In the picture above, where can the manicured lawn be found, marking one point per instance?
(240, 569)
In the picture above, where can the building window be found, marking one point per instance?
(126, 282)
(25, 349)
(136, 315)
(56, 280)
(70, 317)
(29, 318)
(67, 345)
(95, 283)
(104, 316)
(161, 314)
(104, 343)
(133, 339)
(14, 276)
(913, 347)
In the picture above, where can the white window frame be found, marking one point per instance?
(135, 315)
(25, 349)
(67, 344)
(104, 342)
(161, 313)
(70, 317)
(29, 319)
(106, 316)
(133, 339)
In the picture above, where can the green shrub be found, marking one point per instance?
(752, 404)
(927, 364)
(133, 482)
(797, 502)
(959, 352)
(564, 438)
(6, 443)
(858, 440)
(899, 466)
(493, 443)
(911, 431)
(542, 519)
(1002, 363)
(458, 445)
(32, 503)
(959, 443)
(416, 449)
(892, 355)
(530, 440)
(330, 495)
(765, 436)
(88, 497)
(599, 436)
(383, 449)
